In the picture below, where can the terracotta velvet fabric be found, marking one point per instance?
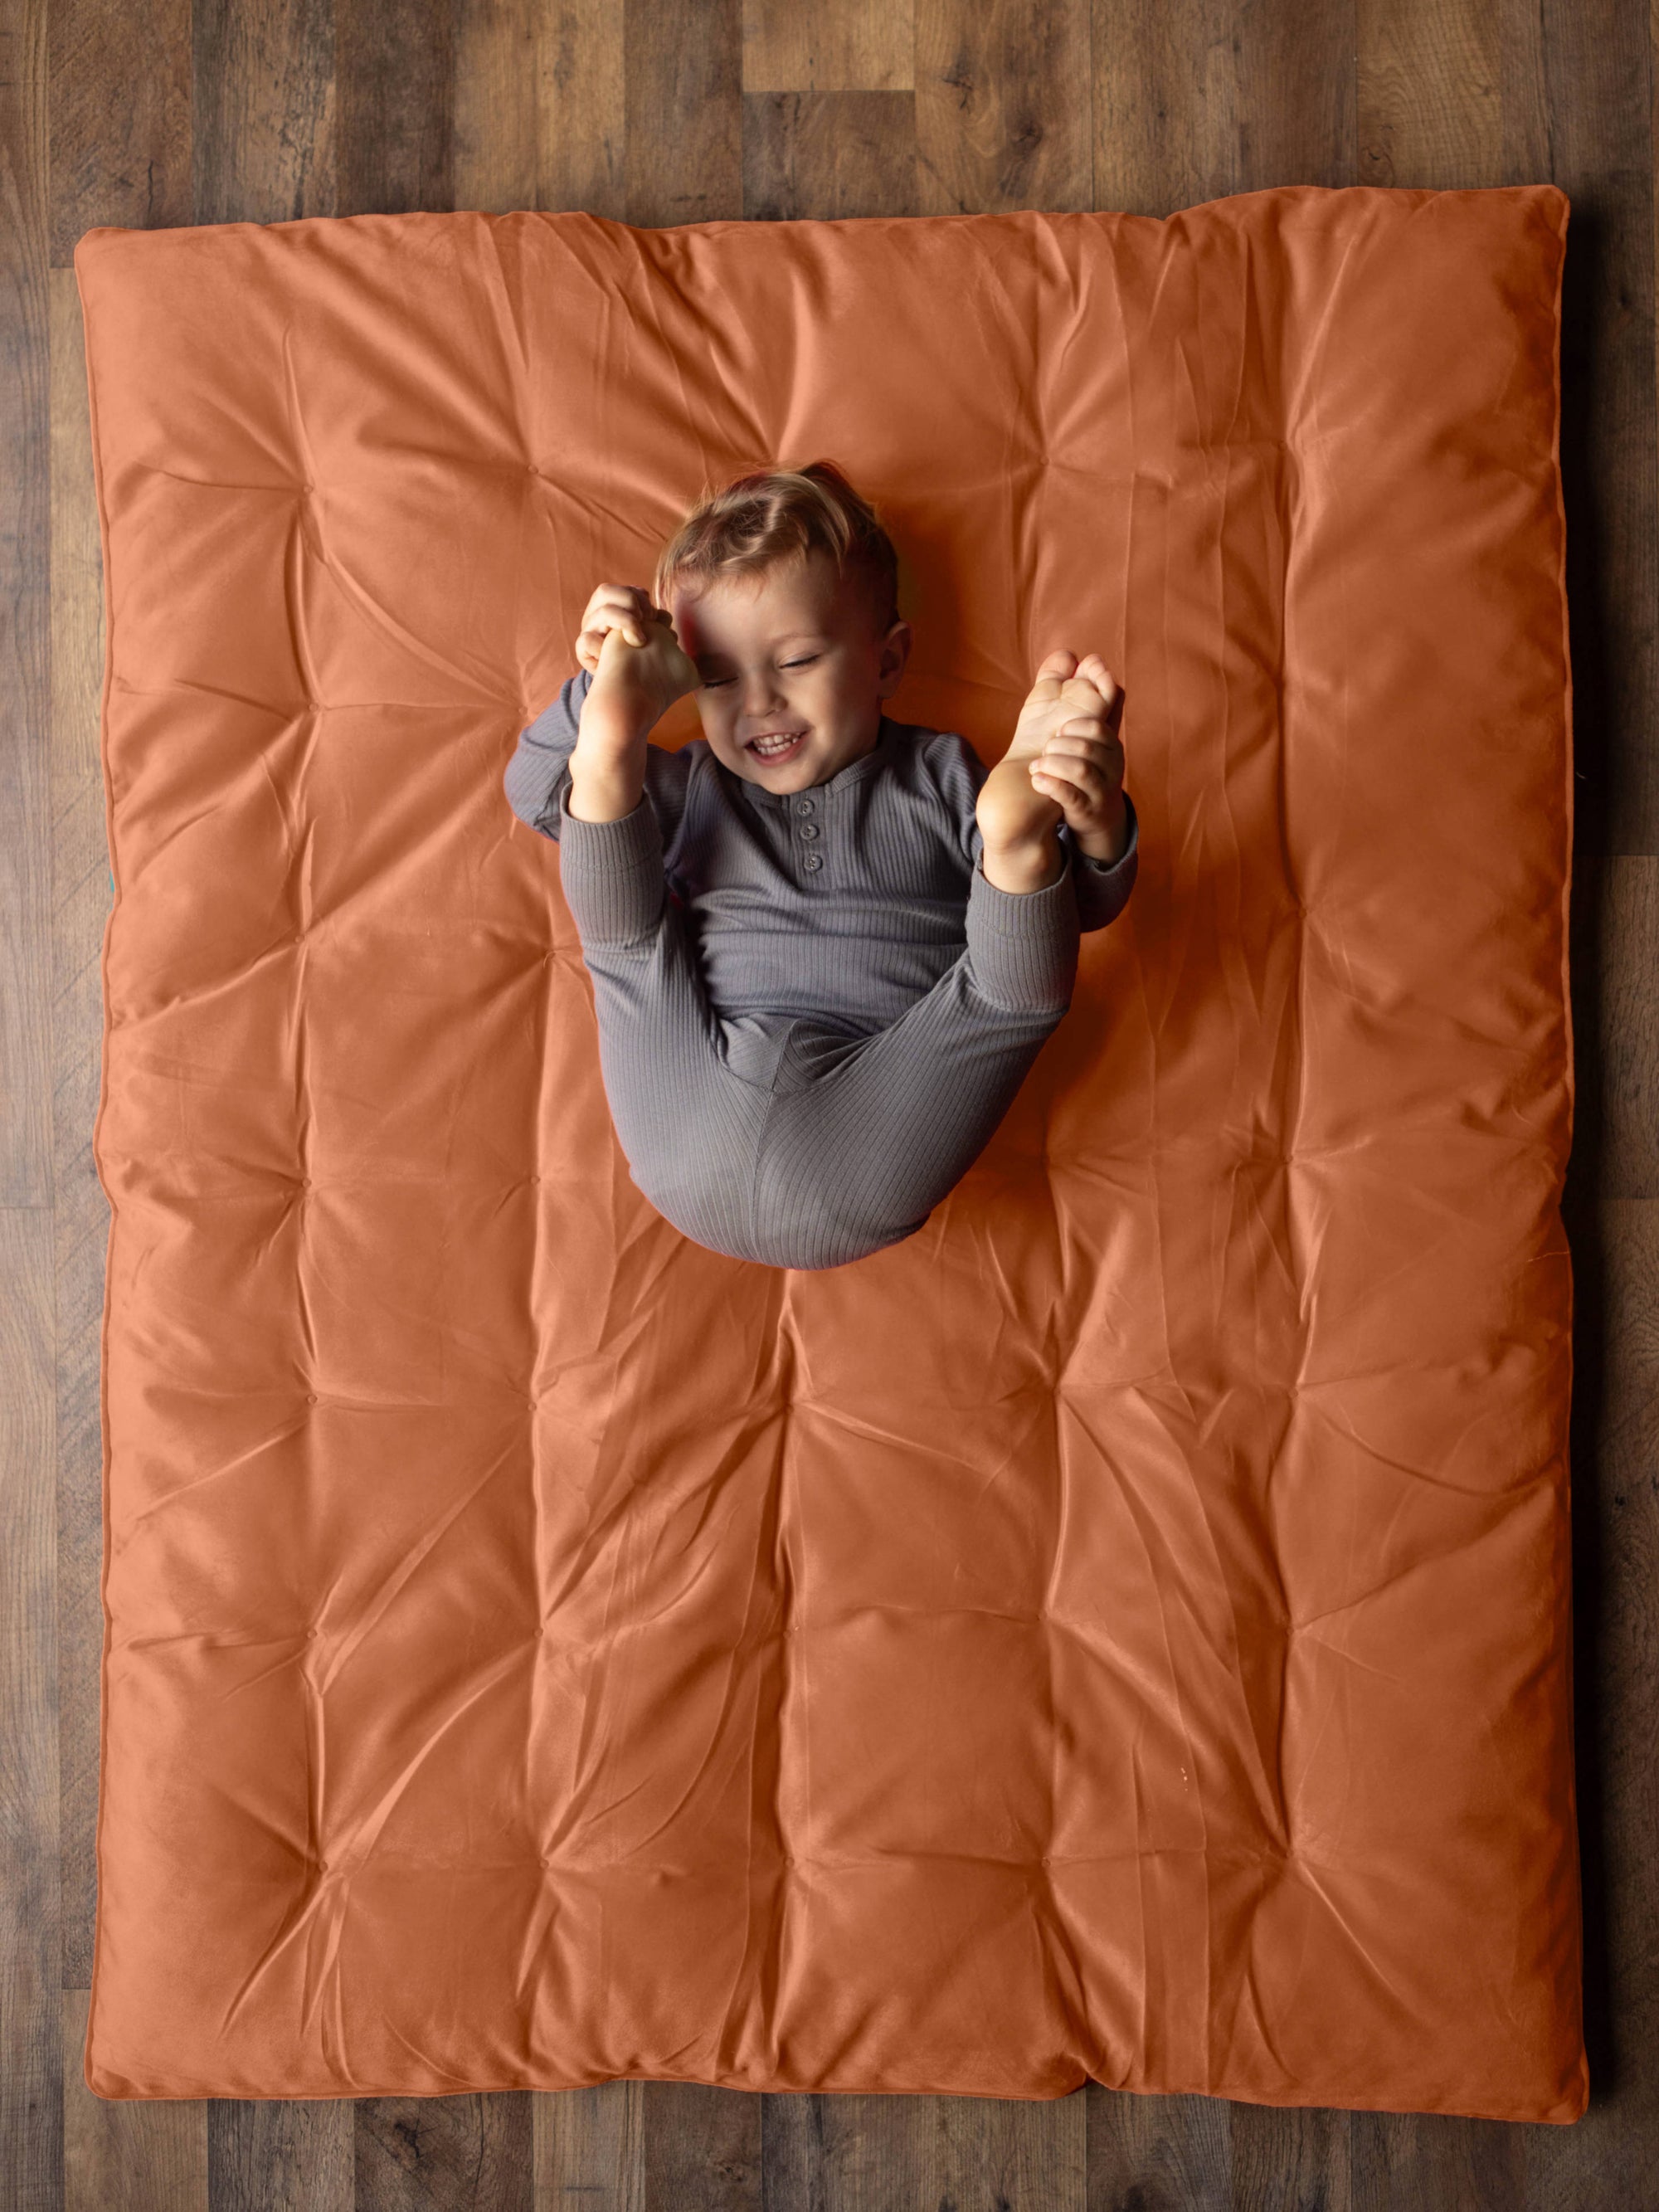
(1122, 1630)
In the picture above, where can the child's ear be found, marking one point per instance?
(894, 652)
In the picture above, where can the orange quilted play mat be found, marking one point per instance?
(1121, 1630)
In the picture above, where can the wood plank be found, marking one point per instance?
(581, 109)
(684, 103)
(82, 896)
(1522, 95)
(30, 2064)
(1165, 104)
(828, 155)
(540, 106)
(394, 140)
(30, 2095)
(1609, 903)
(1192, 105)
(828, 2151)
(702, 2149)
(264, 111)
(1599, 126)
(855, 2153)
(126, 2155)
(1619, 1074)
(1166, 2153)
(465, 2154)
(1427, 2163)
(828, 46)
(1429, 75)
(1003, 106)
(1616, 1534)
(1300, 2156)
(1295, 97)
(590, 2149)
(120, 97)
(1012, 2151)
(281, 2156)
(25, 634)
(496, 79)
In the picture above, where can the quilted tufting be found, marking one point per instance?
(1122, 1630)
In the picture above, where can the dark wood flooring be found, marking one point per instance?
(676, 110)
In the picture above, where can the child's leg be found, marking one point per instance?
(688, 1126)
(866, 1138)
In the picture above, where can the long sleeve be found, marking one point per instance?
(537, 779)
(1101, 887)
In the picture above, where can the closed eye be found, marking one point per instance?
(714, 683)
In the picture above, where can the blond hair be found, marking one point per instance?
(773, 517)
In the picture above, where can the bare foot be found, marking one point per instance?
(634, 686)
(1017, 822)
(1065, 763)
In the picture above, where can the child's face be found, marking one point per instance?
(793, 650)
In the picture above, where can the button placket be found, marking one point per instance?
(811, 862)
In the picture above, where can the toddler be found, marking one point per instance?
(825, 946)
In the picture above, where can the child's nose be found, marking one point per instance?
(762, 691)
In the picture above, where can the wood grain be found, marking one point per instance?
(121, 88)
(590, 2149)
(394, 80)
(1430, 109)
(682, 73)
(1195, 102)
(828, 155)
(473, 2153)
(263, 121)
(82, 896)
(31, 2140)
(828, 46)
(126, 2155)
(1003, 112)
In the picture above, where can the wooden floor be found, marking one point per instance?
(680, 110)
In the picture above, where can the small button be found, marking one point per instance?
(813, 861)
(803, 806)
(809, 829)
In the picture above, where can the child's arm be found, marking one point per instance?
(538, 775)
(639, 670)
(537, 778)
(606, 750)
(1103, 887)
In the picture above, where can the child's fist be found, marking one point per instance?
(626, 607)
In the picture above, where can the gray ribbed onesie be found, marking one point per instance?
(814, 1009)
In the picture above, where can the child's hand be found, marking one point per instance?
(638, 666)
(1066, 736)
(626, 607)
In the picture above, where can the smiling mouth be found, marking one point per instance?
(777, 746)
